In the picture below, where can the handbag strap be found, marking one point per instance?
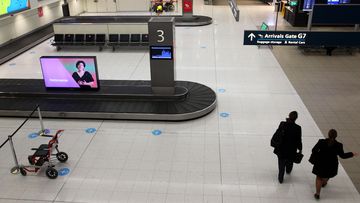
(282, 126)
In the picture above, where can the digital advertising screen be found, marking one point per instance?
(308, 4)
(13, 6)
(333, 2)
(161, 52)
(70, 72)
(339, 1)
(293, 3)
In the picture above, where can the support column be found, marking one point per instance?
(162, 54)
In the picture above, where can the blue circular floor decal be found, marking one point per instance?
(221, 90)
(12, 64)
(32, 52)
(33, 135)
(156, 132)
(224, 114)
(90, 130)
(46, 131)
(64, 171)
(203, 47)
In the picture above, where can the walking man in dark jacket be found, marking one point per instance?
(291, 142)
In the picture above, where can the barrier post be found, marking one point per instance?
(15, 169)
(277, 10)
(42, 131)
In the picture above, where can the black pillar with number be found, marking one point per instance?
(162, 54)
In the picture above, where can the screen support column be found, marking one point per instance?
(65, 9)
(309, 25)
(162, 54)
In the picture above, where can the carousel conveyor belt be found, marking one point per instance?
(114, 100)
(21, 44)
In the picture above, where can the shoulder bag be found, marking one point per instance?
(313, 158)
(277, 138)
(298, 157)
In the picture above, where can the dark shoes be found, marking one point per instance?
(324, 184)
(288, 169)
(281, 180)
(316, 196)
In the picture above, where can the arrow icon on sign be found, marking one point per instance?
(251, 36)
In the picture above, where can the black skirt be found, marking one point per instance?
(325, 170)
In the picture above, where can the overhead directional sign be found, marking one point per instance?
(297, 38)
(234, 9)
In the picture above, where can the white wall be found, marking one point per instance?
(133, 5)
(21, 23)
(117, 5)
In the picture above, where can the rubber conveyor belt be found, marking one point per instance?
(17, 46)
(197, 101)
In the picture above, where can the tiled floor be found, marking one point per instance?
(211, 159)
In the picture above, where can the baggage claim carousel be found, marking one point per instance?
(130, 100)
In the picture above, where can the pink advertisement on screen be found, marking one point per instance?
(66, 72)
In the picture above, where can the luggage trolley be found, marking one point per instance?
(45, 154)
(159, 6)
